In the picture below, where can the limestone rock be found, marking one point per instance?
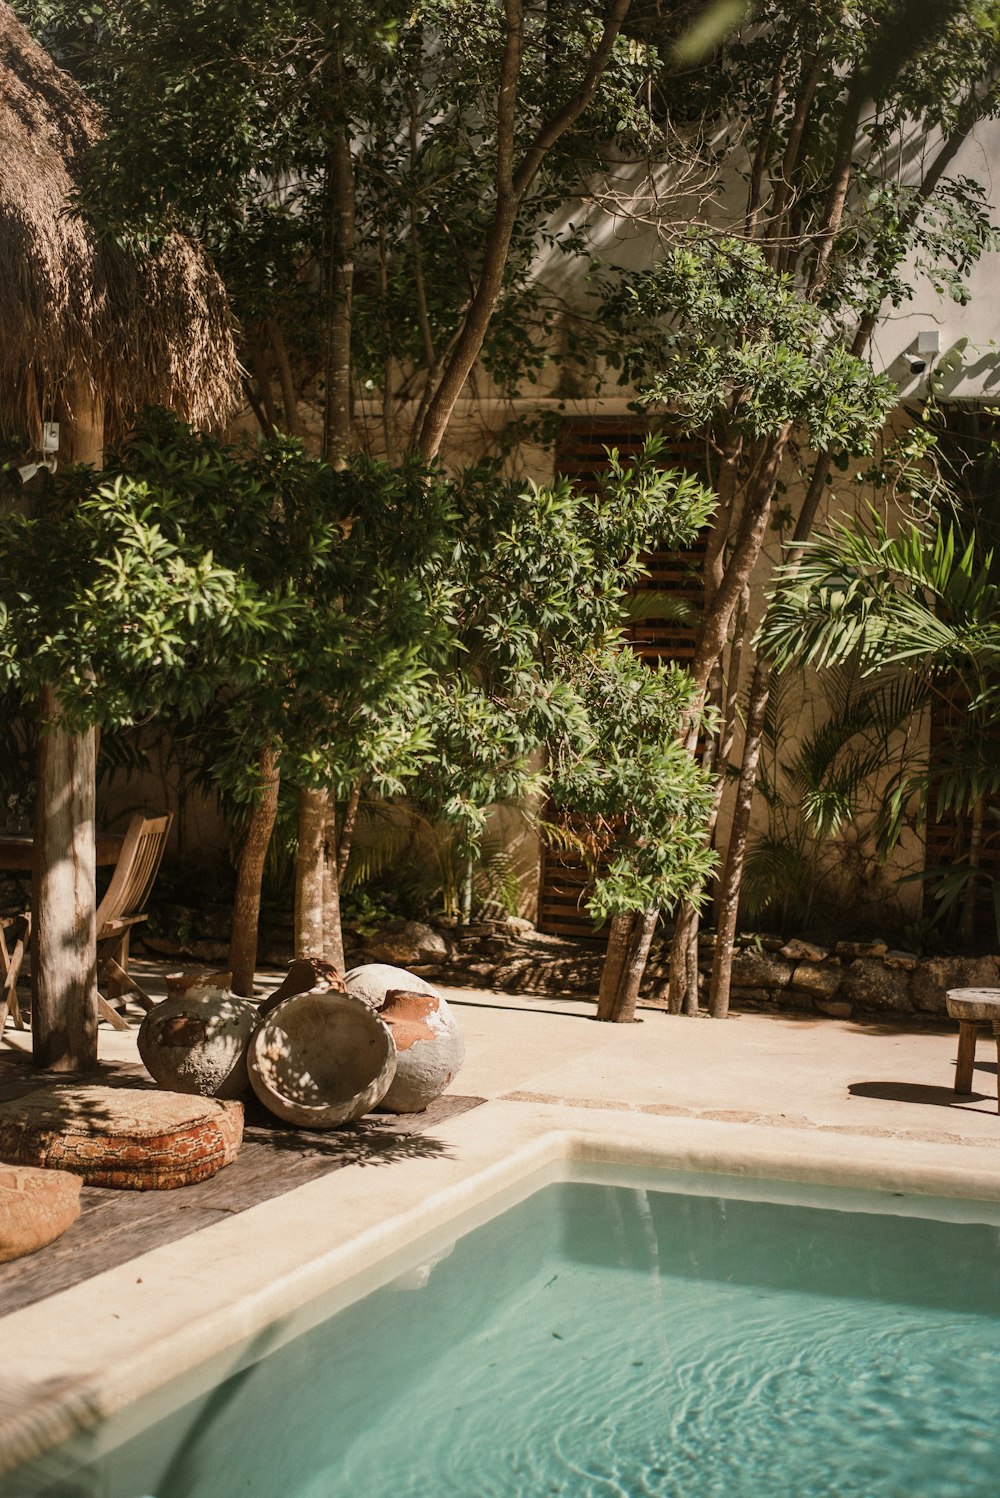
(907, 961)
(374, 981)
(932, 979)
(821, 982)
(861, 948)
(407, 942)
(835, 1008)
(517, 925)
(133, 1138)
(196, 1041)
(321, 1059)
(429, 1049)
(752, 969)
(798, 950)
(868, 984)
(36, 1207)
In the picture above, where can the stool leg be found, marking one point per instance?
(966, 1056)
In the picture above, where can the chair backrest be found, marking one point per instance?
(136, 868)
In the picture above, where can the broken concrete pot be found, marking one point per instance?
(321, 1059)
(374, 981)
(429, 1049)
(36, 1208)
(196, 1041)
(305, 975)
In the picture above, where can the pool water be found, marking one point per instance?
(614, 1340)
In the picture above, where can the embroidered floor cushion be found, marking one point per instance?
(36, 1207)
(127, 1137)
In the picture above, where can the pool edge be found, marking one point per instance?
(98, 1366)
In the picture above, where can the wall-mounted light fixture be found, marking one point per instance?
(922, 350)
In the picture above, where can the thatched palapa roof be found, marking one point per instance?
(140, 329)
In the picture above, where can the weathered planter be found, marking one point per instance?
(429, 1049)
(196, 1041)
(374, 981)
(305, 975)
(321, 1059)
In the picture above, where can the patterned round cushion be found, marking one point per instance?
(36, 1207)
(128, 1137)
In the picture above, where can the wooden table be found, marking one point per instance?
(973, 1007)
(17, 853)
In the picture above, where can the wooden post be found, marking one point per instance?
(64, 930)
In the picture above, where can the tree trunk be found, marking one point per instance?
(678, 998)
(512, 182)
(63, 937)
(732, 877)
(289, 399)
(310, 872)
(337, 422)
(333, 929)
(246, 906)
(628, 949)
(64, 928)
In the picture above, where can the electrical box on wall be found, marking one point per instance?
(929, 341)
(50, 437)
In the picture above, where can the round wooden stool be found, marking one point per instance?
(973, 1007)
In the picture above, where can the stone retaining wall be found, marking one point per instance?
(864, 979)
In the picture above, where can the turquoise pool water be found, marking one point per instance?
(601, 1340)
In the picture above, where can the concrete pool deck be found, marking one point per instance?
(759, 1095)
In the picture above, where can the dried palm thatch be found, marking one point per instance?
(136, 329)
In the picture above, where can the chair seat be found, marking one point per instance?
(120, 923)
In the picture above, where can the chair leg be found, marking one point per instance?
(116, 969)
(105, 1011)
(12, 966)
(966, 1056)
(120, 982)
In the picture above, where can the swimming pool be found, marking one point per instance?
(651, 1335)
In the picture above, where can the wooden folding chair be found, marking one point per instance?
(122, 908)
(15, 934)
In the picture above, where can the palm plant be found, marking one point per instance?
(925, 602)
(819, 787)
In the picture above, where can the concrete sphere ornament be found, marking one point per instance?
(429, 1049)
(321, 1059)
(374, 981)
(196, 1041)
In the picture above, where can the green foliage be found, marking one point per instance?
(639, 803)
(817, 786)
(353, 565)
(925, 598)
(925, 602)
(541, 582)
(713, 332)
(220, 120)
(115, 593)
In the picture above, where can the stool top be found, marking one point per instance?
(973, 1003)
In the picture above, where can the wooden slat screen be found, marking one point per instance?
(581, 455)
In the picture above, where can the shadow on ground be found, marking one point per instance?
(918, 1092)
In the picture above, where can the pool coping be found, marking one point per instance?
(98, 1347)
